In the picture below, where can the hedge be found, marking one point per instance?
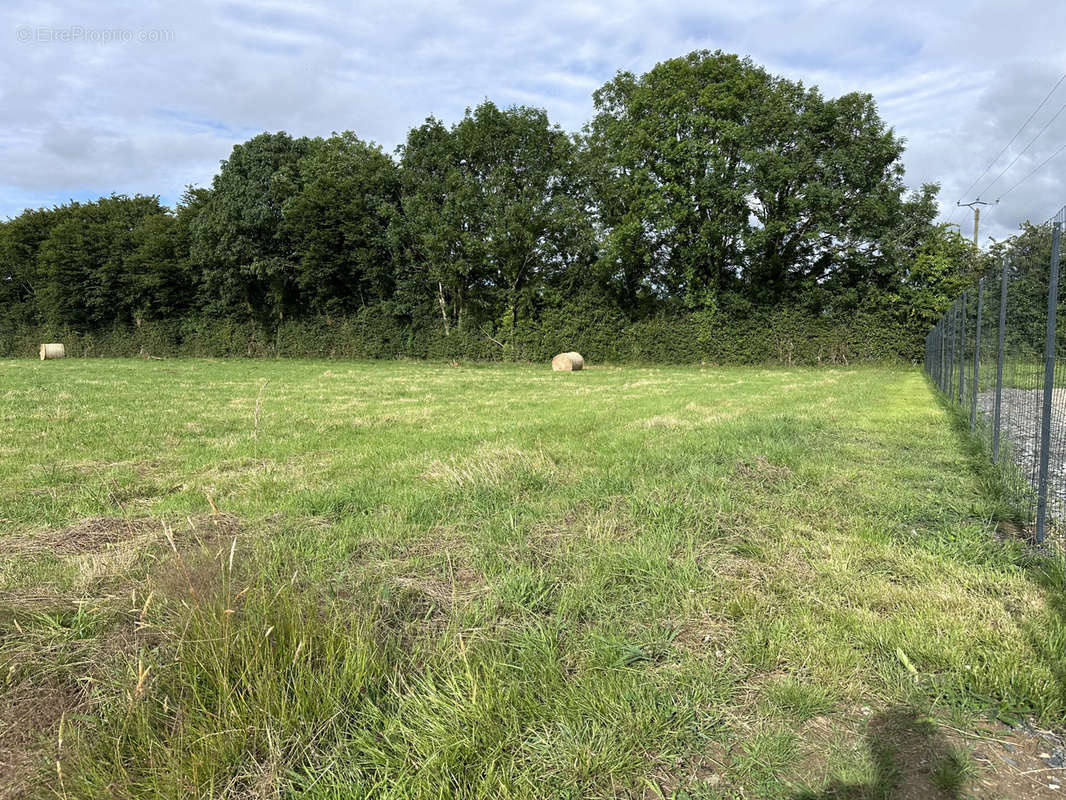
(603, 336)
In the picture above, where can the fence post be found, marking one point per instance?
(951, 355)
(957, 346)
(999, 359)
(976, 354)
(943, 350)
(962, 346)
(938, 349)
(927, 363)
(938, 352)
(1049, 380)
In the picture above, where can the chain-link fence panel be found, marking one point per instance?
(999, 354)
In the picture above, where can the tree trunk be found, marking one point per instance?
(443, 308)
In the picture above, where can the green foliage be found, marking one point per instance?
(340, 223)
(668, 176)
(491, 214)
(713, 177)
(86, 274)
(928, 283)
(20, 277)
(245, 251)
(1028, 255)
(710, 212)
(602, 335)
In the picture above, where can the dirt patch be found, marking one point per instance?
(916, 757)
(689, 778)
(29, 722)
(1023, 761)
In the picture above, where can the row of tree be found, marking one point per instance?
(704, 184)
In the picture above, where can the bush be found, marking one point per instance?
(603, 335)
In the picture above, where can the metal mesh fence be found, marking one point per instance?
(999, 354)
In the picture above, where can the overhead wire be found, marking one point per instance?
(1017, 133)
(1024, 149)
(1035, 170)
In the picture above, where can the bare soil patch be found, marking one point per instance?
(29, 721)
(911, 752)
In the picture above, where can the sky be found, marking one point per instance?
(127, 97)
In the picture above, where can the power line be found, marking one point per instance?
(1031, 174)
(1017, 133)
(1024, 149)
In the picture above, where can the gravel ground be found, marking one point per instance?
(1021, 411)
(1018, 761)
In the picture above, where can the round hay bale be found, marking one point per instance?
(568, 362)
(53, 350)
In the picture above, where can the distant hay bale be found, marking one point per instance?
(568, 362)
(53, 350)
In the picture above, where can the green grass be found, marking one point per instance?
(430, 581)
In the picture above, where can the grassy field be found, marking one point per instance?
(398, 580)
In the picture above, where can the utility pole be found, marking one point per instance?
(976, 206)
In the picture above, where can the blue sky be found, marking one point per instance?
(149, 96)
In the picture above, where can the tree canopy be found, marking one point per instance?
(706, 184)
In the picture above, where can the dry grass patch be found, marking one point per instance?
(759, 472)
(101, 554)
(42, 599)
(490, 466)
(710, 632)
(586, 529)
(98, 534)
(461, 586)
(668, 421)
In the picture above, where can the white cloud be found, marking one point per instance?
(83, 118)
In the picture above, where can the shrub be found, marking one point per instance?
(601, 334)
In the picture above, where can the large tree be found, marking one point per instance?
(441, 232)
(20, 276)
(826, 193)
(340, 223)
(491, 211)
(85, 276)
(246, 254)
(712, 176)
(162, 278)
(669, 174)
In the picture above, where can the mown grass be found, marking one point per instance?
(436, 581)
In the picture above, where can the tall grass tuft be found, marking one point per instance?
(244, 687)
